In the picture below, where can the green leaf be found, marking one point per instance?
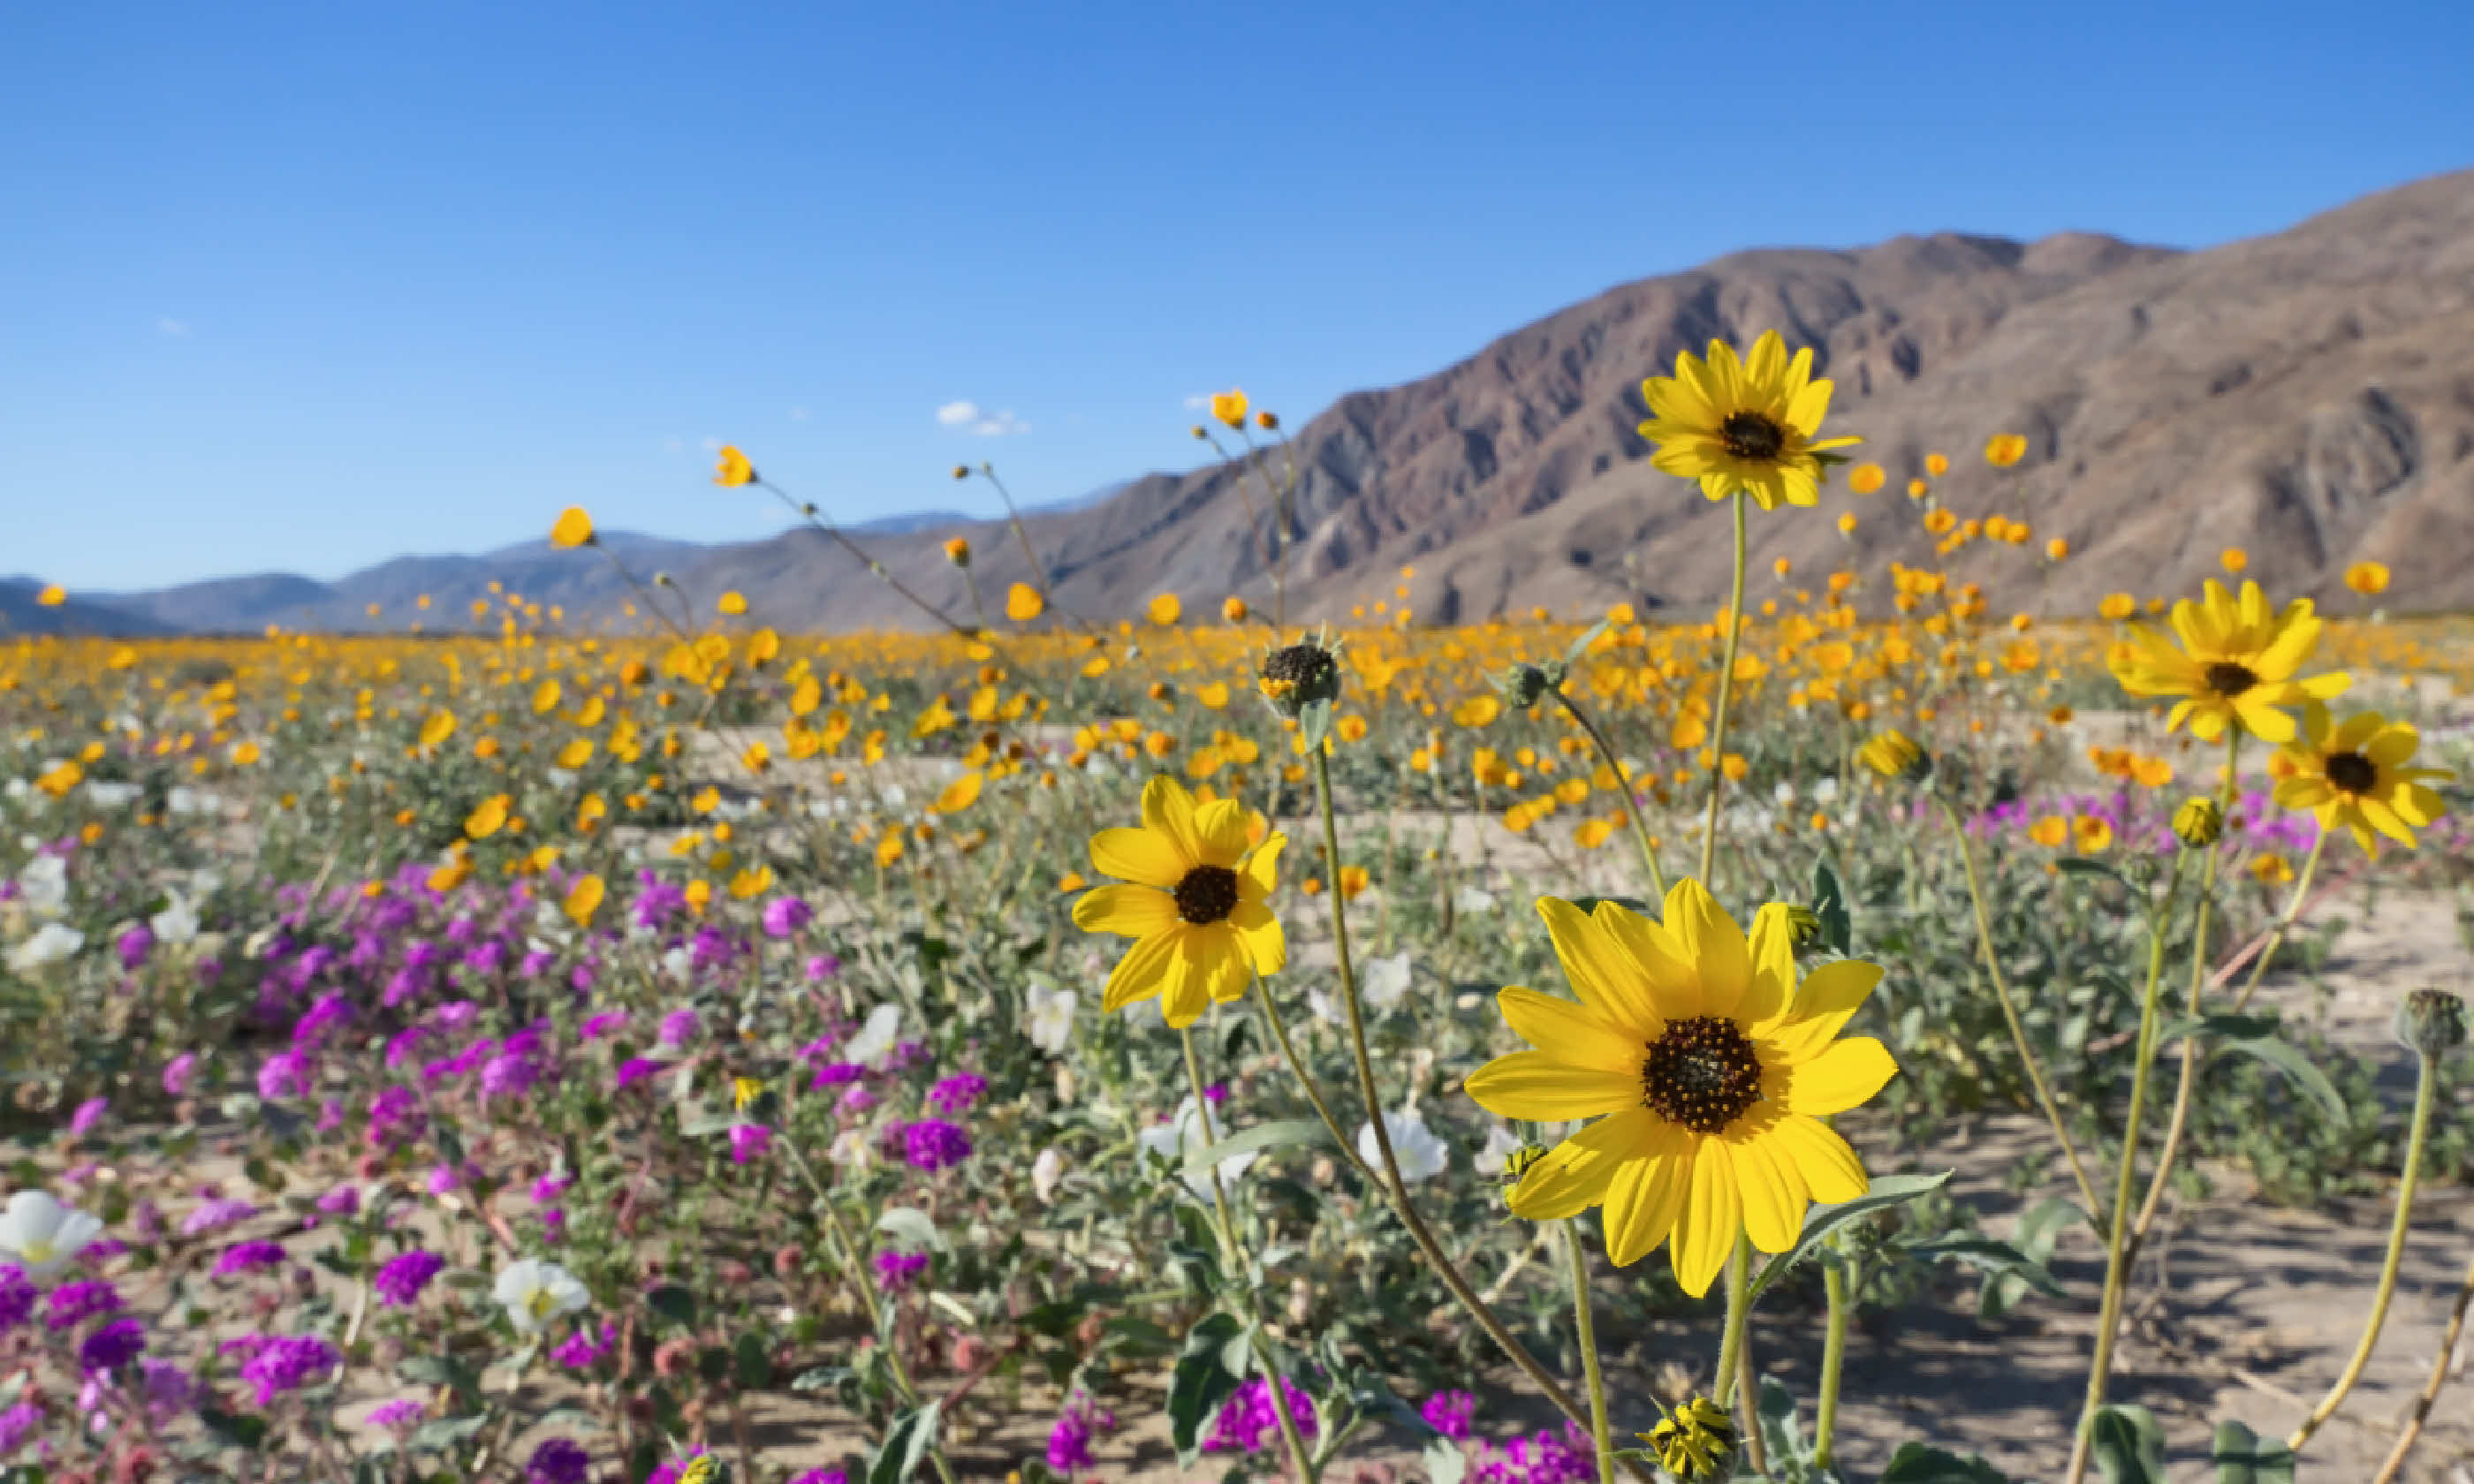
(1821, 1220)
(2083, 866)
(2242, 1456)
(447, 1431)
(1914, 1463)
(2128, 1444)
(2285, 1058)
(1277, 1134)
(2222, 1026)
(1780, 1430)
(1997, 1258)
(908, 1440)
(2035, 1236)
(910, 1228)
(1202, 1380)
(233, 1431)
(674, 1303)
(751, 1363)
(1830, 904)
(1581, 645)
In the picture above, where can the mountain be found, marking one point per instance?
(2307, 396)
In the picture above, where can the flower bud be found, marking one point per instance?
(2431, 1022)
(2199, 822)
(958, 551)
(1894, 754)
(1696, 1443)
(1803, 926)
(1524, 685)
(1299, 676)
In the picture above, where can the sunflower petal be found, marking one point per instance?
(1575, 1173)
(1258, 928)
(1840, 1077)
(1134, 911)
(1713, 944)
(1141, 973)
(1831, 1173)
(1772, 988)
(1666, 989)
(1221, 827)
(1830, 995)
(1568, 1032)
(1773, 1193)
(1600, 972)
(1261, 872)
(1533, 1085)
(1713, 1216)
(1137, 855)
(1646, 1192)
(1168, 812)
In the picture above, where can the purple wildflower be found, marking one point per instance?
(20, 1422)
(896, 1271)
(287, 1363)
(112, 1346)
(678, 1028)
(558, 1461)
(135, 946)
(934, 1144)
(823, 966)
(1449, 1412)
(397, 1416)
(213, 1213)
(602, 1024)
(1247, 1422)
(88, 1114)
(749, 1142)
(73, 1303)
(834, 1075)
(402, 1278)
(176, 1073)
(638, 1068)
(955, 1095)
(244, 1256)
(17, 1295)
(668, 1473)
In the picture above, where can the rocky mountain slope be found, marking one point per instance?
(2308, 397)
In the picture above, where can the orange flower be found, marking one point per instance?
(2005, 449)
(733, 469)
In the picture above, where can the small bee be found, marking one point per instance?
(1520, 1161)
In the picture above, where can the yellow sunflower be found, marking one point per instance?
(1194, 903)
(1706, 1068)
(2236, 664)
(1748, 426)
(2355, 774)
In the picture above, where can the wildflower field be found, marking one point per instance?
(1190, 1045)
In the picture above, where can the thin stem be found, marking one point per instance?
(1233, 1259)
(2431, 1388)
(2180, 1121)
(1313, 1090)
(1834, 1357)
(1599, 1435)
(2010, 1011)
(1726, 690)
(2422, 1103)
(1394, 1188)
(1623, 785)
(807, 514)
(1739, 1315)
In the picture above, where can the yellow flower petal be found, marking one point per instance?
(1772, 988)
(1575, 1173)
(1168, 812)
(1598, 970)
(1830, 995)
(1141, 973)
(1662, 984)
(1711, 944)
(1837, 1079)
(1647, 1193)
(1711, 1217)
(1568, 1032)
(1137, 855)
(1832, 1172)
(1773, 1192)
(1533, 1085)
(1132, 911)
(1219, 825)
(1260, 930)
(1261, 873)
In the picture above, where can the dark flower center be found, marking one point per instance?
(1752, 434)
(2352, 772)
(2230, 679)
(1701, 1074)
(1206, 895)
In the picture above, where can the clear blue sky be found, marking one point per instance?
(307, 287)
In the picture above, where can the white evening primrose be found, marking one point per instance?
(40, 1235)
(535, 1292)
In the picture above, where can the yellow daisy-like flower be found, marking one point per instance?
(2356, 776)
(1193, 902)
(2236, 664)
(1708, 1070)
(732, 469)
(1695, 1442)
(1748, 424)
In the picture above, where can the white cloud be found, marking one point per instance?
(166, 325)
(979, 424)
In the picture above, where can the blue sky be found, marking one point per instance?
(303, 288)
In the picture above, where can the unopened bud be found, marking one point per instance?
(1894, 754)
(1803, 926)
(2199, 822)
(1299, 676)
(1524, 685)
(2431, 1022)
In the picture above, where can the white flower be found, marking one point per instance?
(875, 1038)
(49, 944)
(1181, 1138)
(45, 885)
(849, 1150)
(1825, 790)
(1385, 980)
(39, 1234)
(677, 963)
(1045, 1172)
(185, 800)
(1047, 1016)
(1784, 792)
(1501, 1143)
(1422, 1155)
(109, 795)
(177, 922)
(536, 1292)
(1473, 898)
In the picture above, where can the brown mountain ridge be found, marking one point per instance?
(2307, 396)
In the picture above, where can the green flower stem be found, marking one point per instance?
(2424, 1089)
(2431, 1388)
(2285, 920)
(2180, 1123)
(1599, 1435)
(1624, 786)
(2120, 1249)
(1394, 1188)
(1833, 1356)
(1739, 1315)
(855, 1266)
(876, 568)
(1314, 1091)
(1234, 1260)
(2010, 1010)
(1726, 691)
